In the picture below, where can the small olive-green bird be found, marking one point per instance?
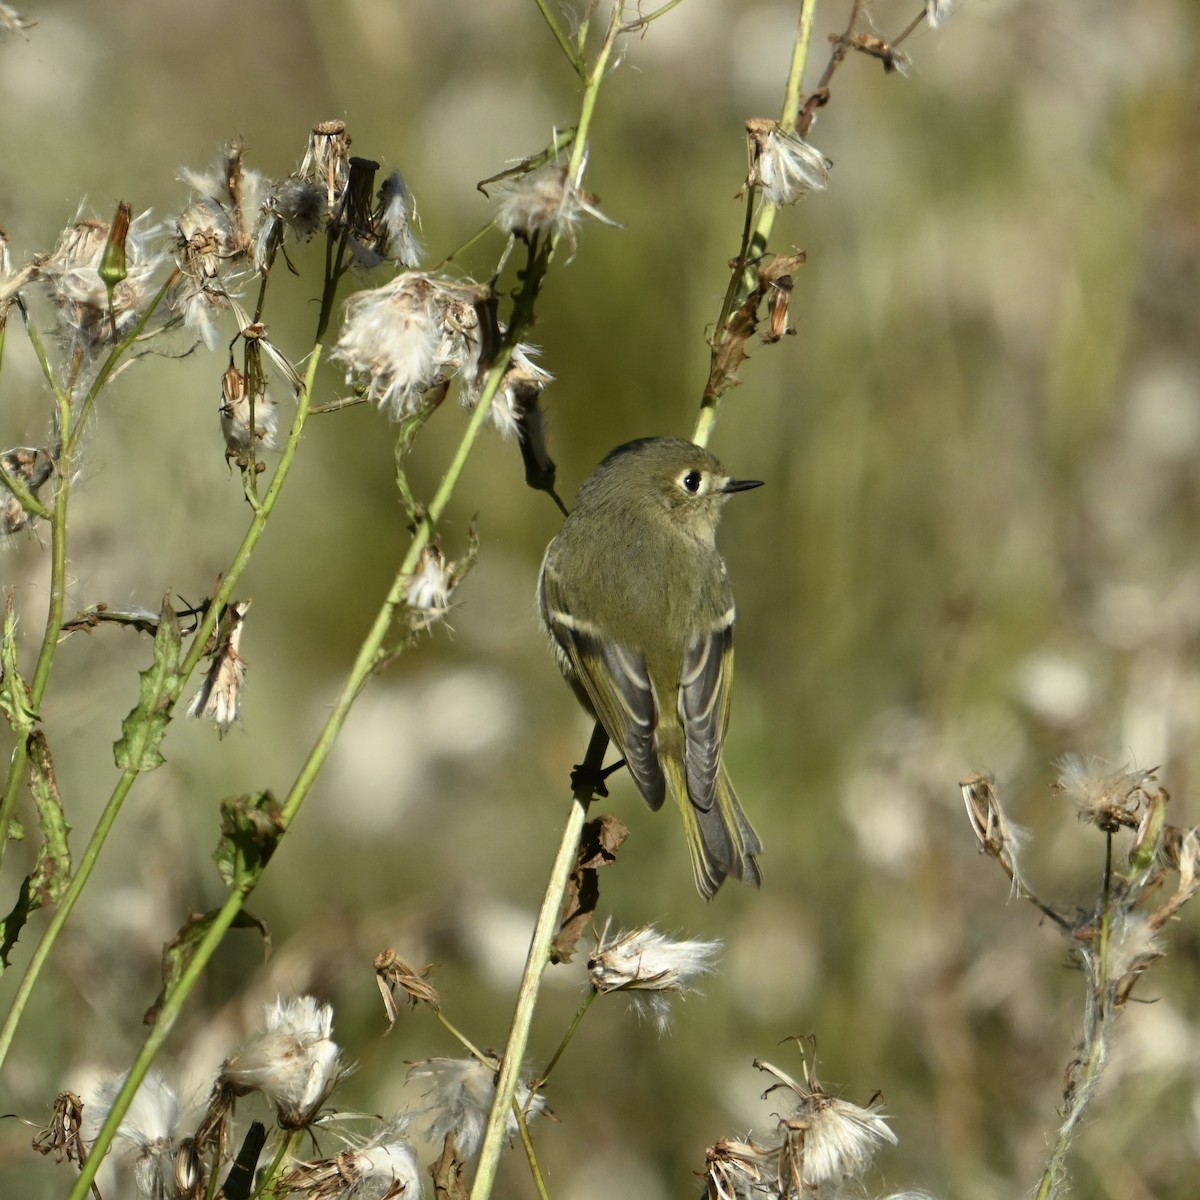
(639, 610)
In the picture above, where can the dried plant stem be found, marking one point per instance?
(535, 963)
(757, 228)
(1097, 1015)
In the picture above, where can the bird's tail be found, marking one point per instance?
(720, 838)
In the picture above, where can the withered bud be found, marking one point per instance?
(62, 1136)
(357, 201)
(246, 419)
(779, 296)
(737, 1170)
(326, 160)
(392, 972)
(876, 47)
(782, 164)
(997, 835)
(220, 695)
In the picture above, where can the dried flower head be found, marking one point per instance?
(381, 1168)
(220, 695)
(216, 236)
(293, 1061)
(649, 966)
(824, 1138)
(460, 1094)
(384, 233)
(150, 1134)
(779, 296)
(782, 164)
(1107, 798)
(430, 585)
(63, 1136)
(876, 47)
(737, 1170)
(239, 411)
(392, 972)
(545, 201)
(295, 204)
(400, 339)
(395, 218)
(90, 318)
(327, 161)
(517, 394)
(998, 836)
(235, 192)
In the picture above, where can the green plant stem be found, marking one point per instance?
(535, 963)
(458, 1034)
(535, 1167)
(268, 1176)
(757, 229)
(547, 921)
(58, 589)
(191, 659)
(28, 501)
(255, 529)
(463, 247)
(69, 427)
(1094, 1023)
(62, 401)
(367, 660)
(573, 56)
(115, 355)
(580, 1012)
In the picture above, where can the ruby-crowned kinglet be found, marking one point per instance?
(639, 610)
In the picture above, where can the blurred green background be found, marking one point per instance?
(977, 549)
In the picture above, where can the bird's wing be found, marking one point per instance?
(704, 687)
(615, 681)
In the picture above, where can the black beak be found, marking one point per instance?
(741, 485)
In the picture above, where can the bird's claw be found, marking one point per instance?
(586, 778)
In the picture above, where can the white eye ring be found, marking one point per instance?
(691, 482)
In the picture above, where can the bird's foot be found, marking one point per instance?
(585, 777)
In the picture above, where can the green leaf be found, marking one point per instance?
(53, 871)
(179, 951)
(49, 879)
(14, 693)
(251, 827)
(144, 728)
(11, 926)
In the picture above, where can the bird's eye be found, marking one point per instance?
(691, 482)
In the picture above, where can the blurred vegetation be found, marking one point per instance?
(977, 550)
